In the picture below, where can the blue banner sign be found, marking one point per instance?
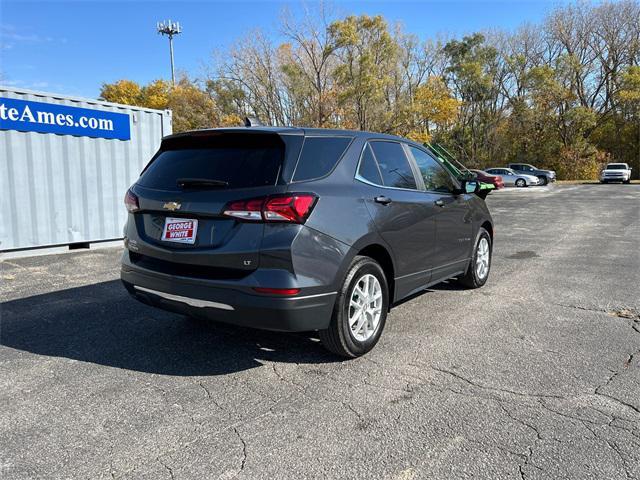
(27, 116)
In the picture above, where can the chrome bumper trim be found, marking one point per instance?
(194, 302)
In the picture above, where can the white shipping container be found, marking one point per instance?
(59, 189)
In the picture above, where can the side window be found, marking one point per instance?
(369, 167)
(394, 165)
(435, 177)
(319, 155)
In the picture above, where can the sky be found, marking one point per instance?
(73, 47)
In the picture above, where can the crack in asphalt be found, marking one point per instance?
(244, 452)
(168, 468)
(302, 389)
(495, 389)
(209, 396)
(527, 457)
(614, 446)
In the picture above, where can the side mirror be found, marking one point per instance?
(472, 186)
(468, 186)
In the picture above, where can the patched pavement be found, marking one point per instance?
(536, 375)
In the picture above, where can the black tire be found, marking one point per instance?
(521, 182)
(338, 338)
(470, 279)
(627, 181)
(543, 180)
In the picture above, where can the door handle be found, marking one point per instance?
(382, 199)
(439, 203)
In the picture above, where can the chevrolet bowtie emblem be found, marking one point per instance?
(171, 206)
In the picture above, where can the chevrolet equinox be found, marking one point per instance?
(296, 229)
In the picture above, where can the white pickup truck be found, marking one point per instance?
(616, 172)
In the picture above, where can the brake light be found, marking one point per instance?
(290, 208)
(245, 209)
(131, 201)
(277, 291)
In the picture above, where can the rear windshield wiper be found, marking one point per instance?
(201, 183)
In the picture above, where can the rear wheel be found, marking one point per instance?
(478, 270)
(521, 182)
(360, 311)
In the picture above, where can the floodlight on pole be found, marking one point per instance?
(170, 29)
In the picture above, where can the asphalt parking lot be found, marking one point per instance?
(536, 375)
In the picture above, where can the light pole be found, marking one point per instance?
(170, 29)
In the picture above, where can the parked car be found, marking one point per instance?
(512, 178)
(545, 176)
(300, 229)
(616, 172)
(484, 177)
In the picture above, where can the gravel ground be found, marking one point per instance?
(536, 375)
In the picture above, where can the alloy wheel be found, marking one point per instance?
(482, 258)
(365, 307)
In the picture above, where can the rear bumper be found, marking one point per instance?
(224, 303)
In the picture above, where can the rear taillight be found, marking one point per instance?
(131, 201)
(290, 208)
(245, 209)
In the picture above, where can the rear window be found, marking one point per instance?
(319, 155)
(394, 165)
(240, 161)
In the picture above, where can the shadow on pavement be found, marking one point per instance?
(101, 324)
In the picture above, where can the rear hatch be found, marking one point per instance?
(184, 189)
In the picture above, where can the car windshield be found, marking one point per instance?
(616, 166)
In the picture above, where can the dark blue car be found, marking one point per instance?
(298, 229)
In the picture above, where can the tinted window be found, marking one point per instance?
(319, 156)
(369, 168)
(241, 161)
(394, 166)
(435, 177)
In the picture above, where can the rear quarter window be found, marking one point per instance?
(394, 165)
(319, 156)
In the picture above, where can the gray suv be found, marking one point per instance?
(297, 229)
(545, 176)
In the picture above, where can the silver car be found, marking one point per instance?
(512, 178)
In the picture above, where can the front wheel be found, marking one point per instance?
(543, 180)
(521, 182)
(360, 311)
(478, 270)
